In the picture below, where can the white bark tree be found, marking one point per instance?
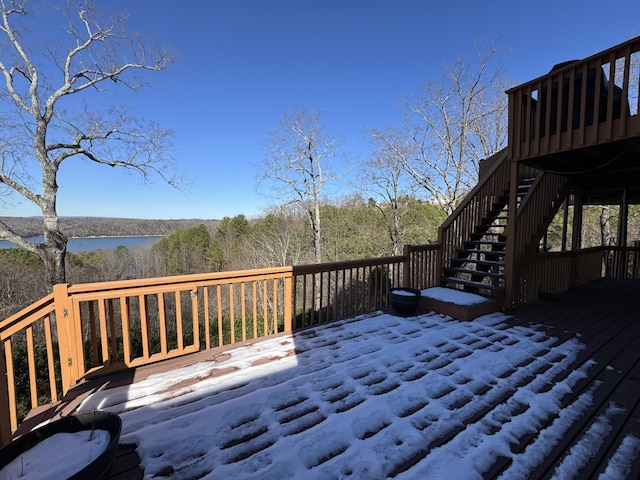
(48, 117)
(450, 126)
(383, 178)
(298, 165)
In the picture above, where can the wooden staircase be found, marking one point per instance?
(478, 267)
(477, 253)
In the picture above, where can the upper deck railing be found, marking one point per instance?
(578, 104)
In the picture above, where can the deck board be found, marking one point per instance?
(605, 315)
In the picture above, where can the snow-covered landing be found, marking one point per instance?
(366, 398)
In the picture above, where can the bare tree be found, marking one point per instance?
(298, 165)
(276, 240)
(384, 177)
(48, 116)
(450, 126)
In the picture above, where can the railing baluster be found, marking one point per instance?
(102, 321)
(53, 390)
(31, 359)
(243, 308)
(11, 385)
(220, 316)
(254, 287)
(179, 324)
(126, 328)
(275, 306)
(265, 305)
(232, 314)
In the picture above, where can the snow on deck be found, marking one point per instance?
(370, 397)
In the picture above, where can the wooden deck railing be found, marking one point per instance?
(579, 105)
(89, 329)
(550, 273)
(421, 267)
(543, 274)
(333, 291)
(18, 335)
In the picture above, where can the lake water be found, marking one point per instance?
(85, 244)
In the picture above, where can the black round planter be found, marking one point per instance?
(99, 468)
(404, 300)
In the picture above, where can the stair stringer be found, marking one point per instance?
(537, 210)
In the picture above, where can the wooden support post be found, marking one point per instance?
(624, 217)
(5, 415)
(510, 296)
(406, 267)
(622, 233)
(71, 361)
(288, 302)
(565, 223)
(576, 236)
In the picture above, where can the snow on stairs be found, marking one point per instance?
(479, 265)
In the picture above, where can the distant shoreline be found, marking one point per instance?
(98, 242)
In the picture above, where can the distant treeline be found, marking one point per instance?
(104, 226)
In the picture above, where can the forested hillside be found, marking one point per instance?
(99, 226)
(354, 228)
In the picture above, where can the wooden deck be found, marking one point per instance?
(604, 314)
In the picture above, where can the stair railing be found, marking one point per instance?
(458, 227)
(537, 209)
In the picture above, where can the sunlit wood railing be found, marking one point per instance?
(32, 328)
(90, 329)
(579, 105)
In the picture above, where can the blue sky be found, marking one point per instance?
(244, 62)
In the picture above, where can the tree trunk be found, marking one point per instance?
(605, 226)
(55, 242)
(53, 255)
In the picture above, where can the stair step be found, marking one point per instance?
(489, 243)
(475, 273)
(473, 285)
(478, 235)
(495, 253)
(478, 262)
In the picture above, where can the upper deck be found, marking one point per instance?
(581, 120)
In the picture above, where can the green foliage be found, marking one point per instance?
(20, 257)
(421, 221)
(227, 241)
(186, 251)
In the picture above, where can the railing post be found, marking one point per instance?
(406, 267)
(5, 415)
(510, 294)
(70, 361)
(288, 302)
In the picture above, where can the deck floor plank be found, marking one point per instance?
(603, 315)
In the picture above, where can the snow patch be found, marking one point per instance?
(449, 295)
